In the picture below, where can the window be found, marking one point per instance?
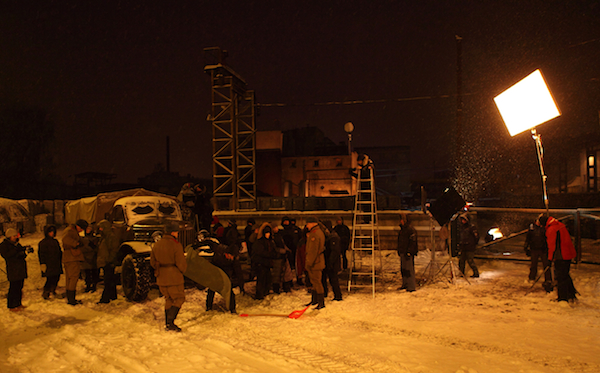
(316, 163)
(338, 162)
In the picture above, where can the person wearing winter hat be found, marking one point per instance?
(16, 268)
(263, 252)
(108, 247)
(560, 252)
(536, 247)
(407, 250)
(315, 260)
(73, 258)
(50, 256)
(168, 260)
(467, 245)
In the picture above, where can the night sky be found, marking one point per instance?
(117, 78)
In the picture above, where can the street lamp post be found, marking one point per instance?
(349, 127)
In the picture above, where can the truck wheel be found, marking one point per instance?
(135, 278)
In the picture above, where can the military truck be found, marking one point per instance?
(137, 220)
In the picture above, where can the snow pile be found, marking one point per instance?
(487, 326)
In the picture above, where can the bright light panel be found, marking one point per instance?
(526, 104)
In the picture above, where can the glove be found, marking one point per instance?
(43, 267)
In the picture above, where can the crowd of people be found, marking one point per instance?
(281, 257)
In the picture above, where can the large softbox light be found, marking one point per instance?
(446, 206)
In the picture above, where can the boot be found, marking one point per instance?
(210, 296)
(71, 298)
(313, 300)
(276, 288)
(299, 281)
(320, 301)
(46, 294)
(171, 315)
(287, 286)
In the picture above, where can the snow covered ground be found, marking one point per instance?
(489, 325)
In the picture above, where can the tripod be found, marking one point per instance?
(435, 269)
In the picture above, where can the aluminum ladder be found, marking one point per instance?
(364, 243)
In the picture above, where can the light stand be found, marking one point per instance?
(540, 154)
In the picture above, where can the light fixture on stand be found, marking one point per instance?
(525, 105)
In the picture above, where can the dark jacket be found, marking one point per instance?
(108, 247)
(536, 238)
(333, 251)
(469, 237)
(263, 250)
(407, 240)
(14, 254)
(89, 249)
(344, 232)
(50, 254)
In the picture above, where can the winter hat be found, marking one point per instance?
(82, 224)
(328, 225)
(11, 232)
(266, 229)
(284, 219)
(251, 221)
(172, 227)
(543, 220)
(312, 219)
(104, 224)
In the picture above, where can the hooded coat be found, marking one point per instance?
(263, 250)
(50, 253)
(14, 254)
(108, 247)
(558, 237)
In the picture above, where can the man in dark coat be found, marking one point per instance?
(220, 256)
(560, 251)
(168, 260)
(344, 232)
(332, 261)
(263, 252)
(536, 247)
(407, 250)
(89, 266)
(108, 247)
(50, 255)
(16, 268)
(469, 237)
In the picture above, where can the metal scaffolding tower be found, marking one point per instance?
(365, 231)
(233, 134)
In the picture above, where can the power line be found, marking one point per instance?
(360, 102)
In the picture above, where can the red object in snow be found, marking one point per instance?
(294, 315)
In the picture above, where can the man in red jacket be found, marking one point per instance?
(560, 251)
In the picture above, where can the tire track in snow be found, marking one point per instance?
(462, 344)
